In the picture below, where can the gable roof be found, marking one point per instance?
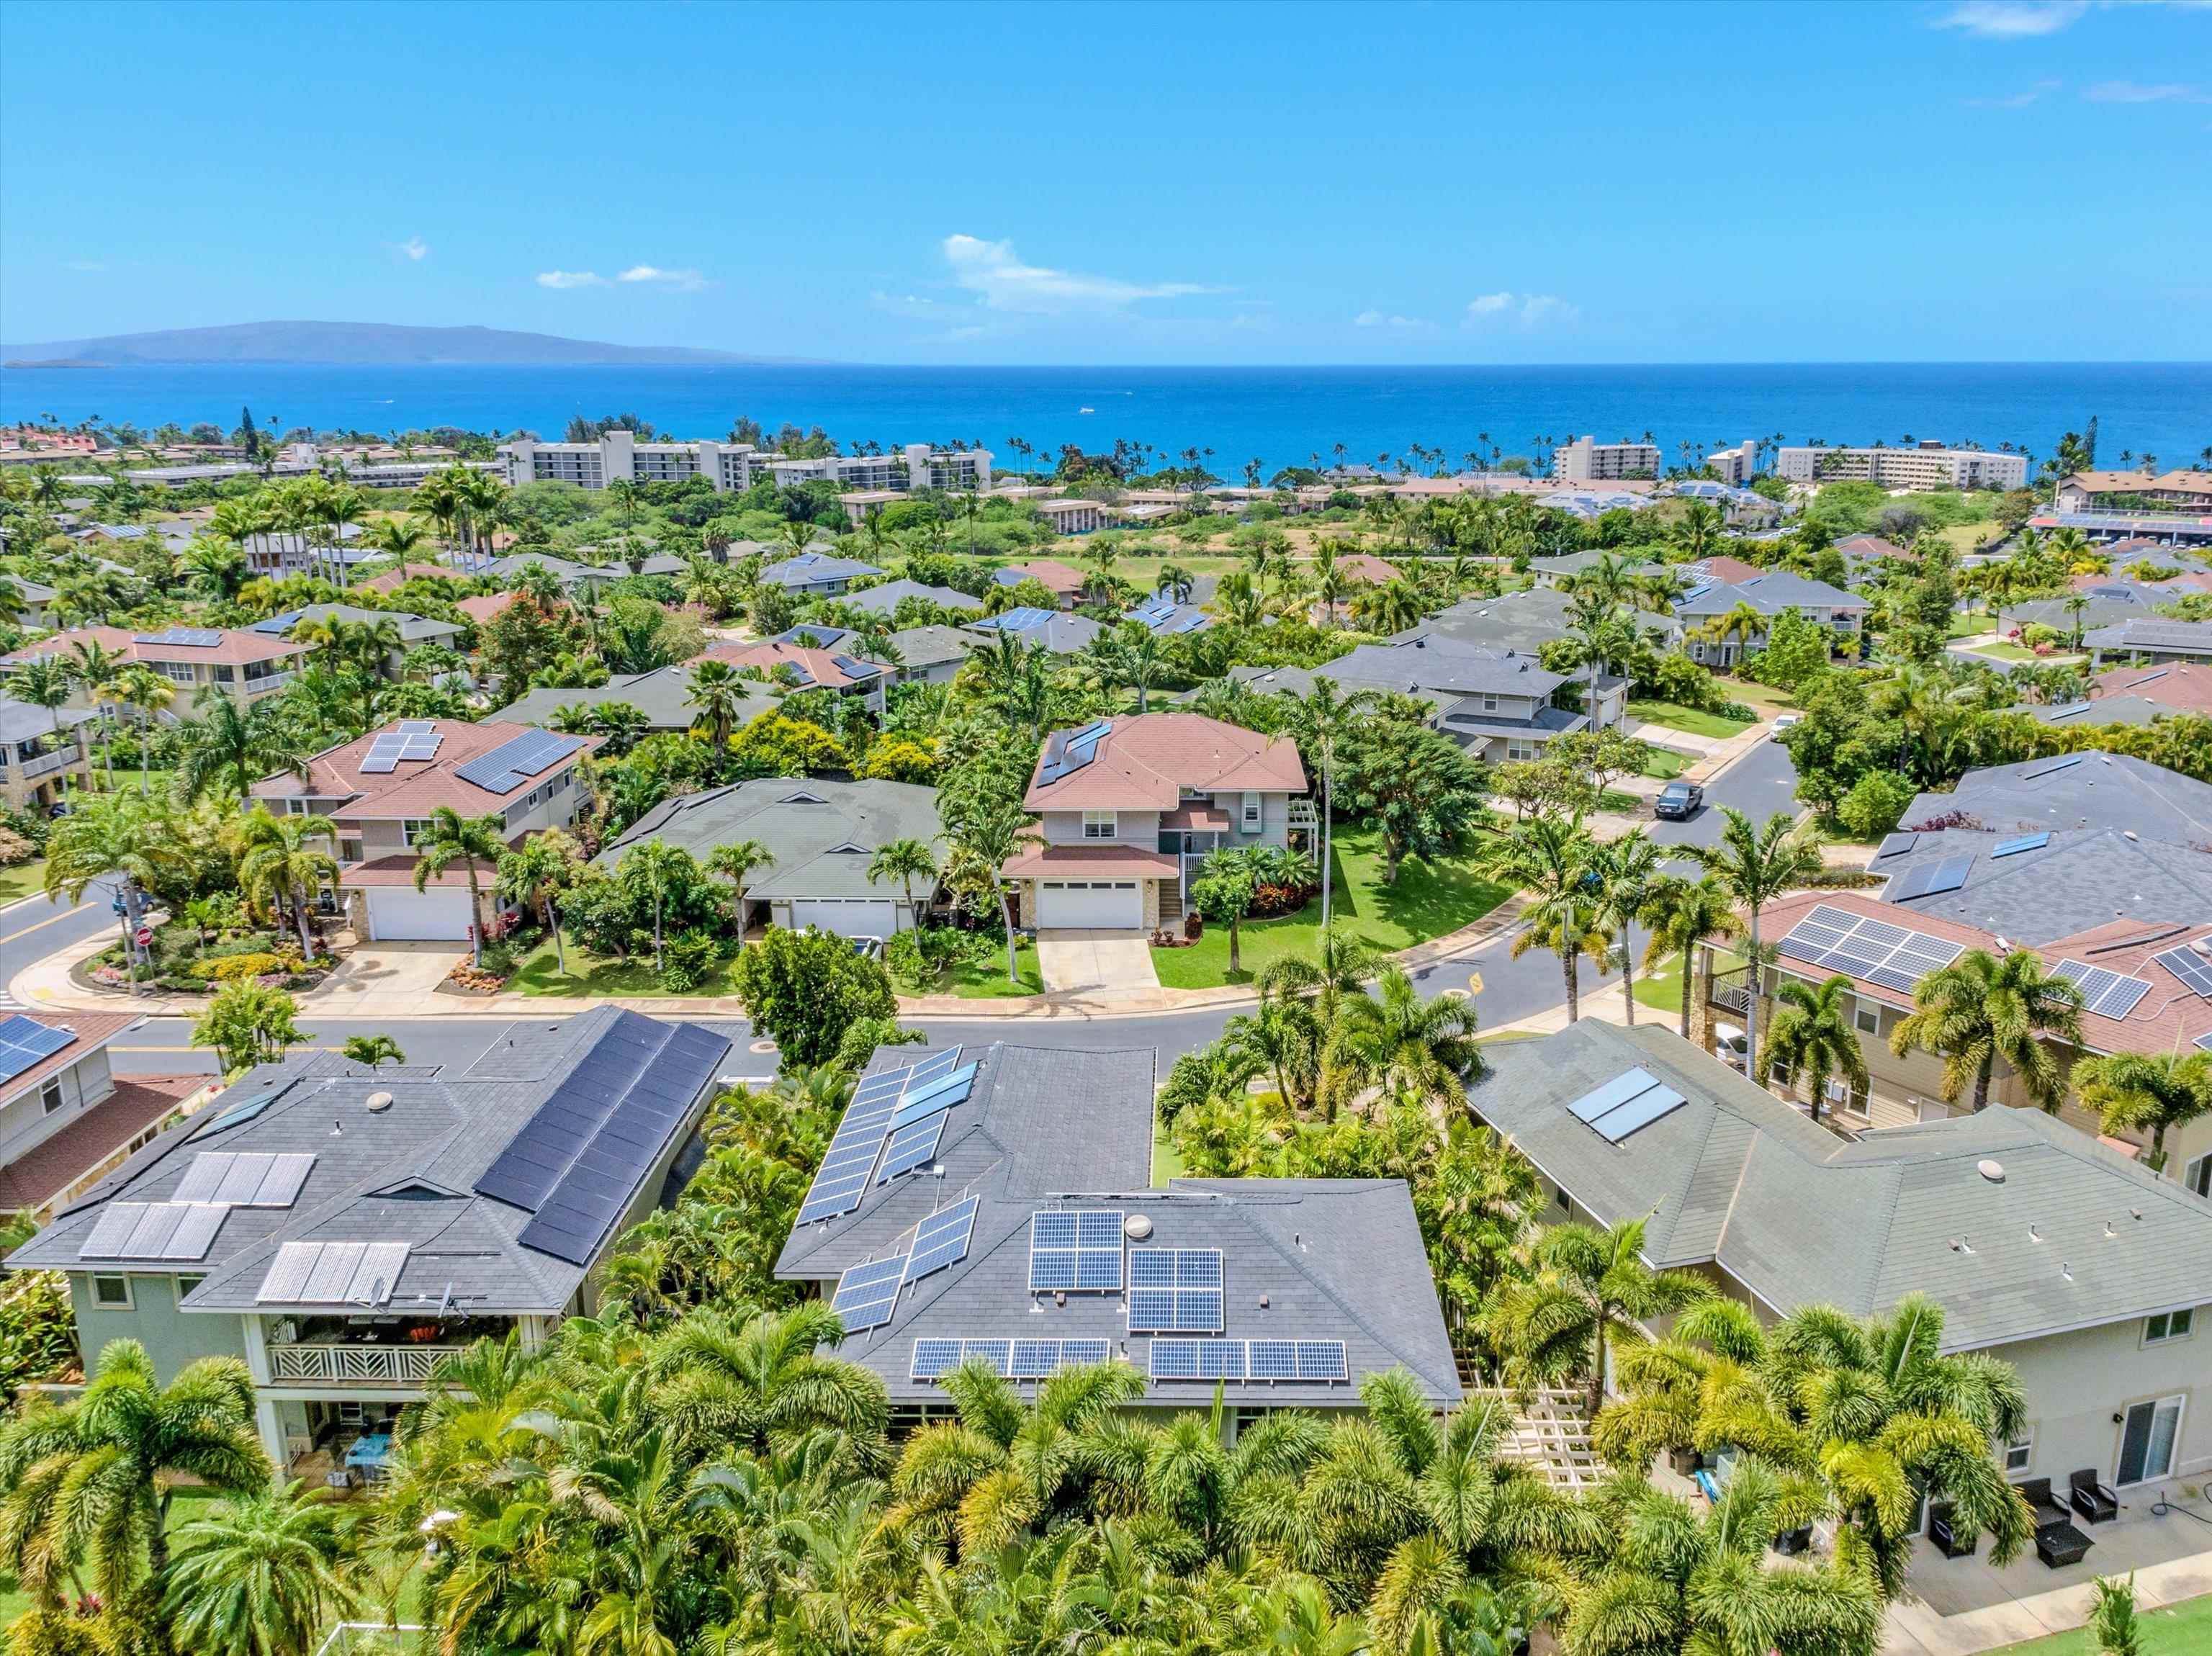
(1769, 593)
(812, 568)
(226, 646)
(2152, 633)
(1738, 1178)
(1054, 574)
(927, 647)
(1055, 630)
(414, 787)
(1145, 762)
(2089, 789)
(821, 669)
(885, 599)
(2182, 686)
(662, 695)
(1523, 621)
(1425, 662)
(2078, 878)
(413, 629)
(2105, 710)
(804, 838)
(439, 1136)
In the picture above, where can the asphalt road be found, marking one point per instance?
(1761, 782)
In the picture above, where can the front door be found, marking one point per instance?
(2147, 1440)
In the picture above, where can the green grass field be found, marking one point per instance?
(1696, 722)
(2184, 1629)
(24, 880)
(1427, 901)
(986, 979)
(1665, 764)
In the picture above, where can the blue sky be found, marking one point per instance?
(1589, 183)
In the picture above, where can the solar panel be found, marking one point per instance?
(2204, 1040)
(853, 669)
(2109, 994)
(197, 638)
(1080, 1251)
(2025, 842)
(934, 1358)
(332, 1273)
(910, 1146)
(1174, 1360)
(941, 1240)
(1614, 1092)
(1177, 1289)
(245, 1179)
(867, 1294)
(244, 1111)
(1892, 844)
(1189, 624)
(933, 1096)
(2192, 968)
(507, 767)
(935, 1067)
(1637, 1113)
(417, 726)
(26, 1042)
(1322, 1360)
(1930, 879)
(379, 764)
(999, 1354)
(1079, 1353)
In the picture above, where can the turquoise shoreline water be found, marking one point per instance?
(1278, 417)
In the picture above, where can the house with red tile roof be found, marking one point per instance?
(244, 666)
(804, 668)
(1062, 581)
(64, 1118)
(382, 789)
(1130, 807)
(391, 579)
(1365, 568)
(2179, 687)
(486, 607)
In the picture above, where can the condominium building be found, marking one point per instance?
(1735, 466)
(960, 470)
(1586, 460)
(618, 456)
(1927, 464)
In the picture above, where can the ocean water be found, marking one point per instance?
(1279, 416)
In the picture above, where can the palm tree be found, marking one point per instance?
(1553, 859)
(1684, 915)
(257, 1577)
(1591, 1287)
(735, 860)
(115, 835)
(720, 695)
(85, 1486)
(1813, 1037)
(1392, 607)
(469, 841)
(372, 1050)
(1978, 1010)
(653, 861)
(530, 874)
(1407, 1044)
(45, 681)
(279, 862)
(1319, 722)
(901, 860)
(401, 538)
(2130, 1091)
(147, 694)
(232, 749)
(989, 838)
(1754, 866)
(1739, 625)
(1626, 869)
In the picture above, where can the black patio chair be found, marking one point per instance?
(1942, 1532)
(2060, 1544)
(2093, 1500)
(2036, 1491)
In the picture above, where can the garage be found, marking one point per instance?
(848, 917)
(1089, 904)
(402, 914)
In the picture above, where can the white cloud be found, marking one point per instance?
(2012, 19)
(683, 281)
(2018, 99)
(2134, 92)
(1377, 320)
(570, 279)
(1525, 310)
(996, 275)
(416, 249)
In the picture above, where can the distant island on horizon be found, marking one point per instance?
(333, 343)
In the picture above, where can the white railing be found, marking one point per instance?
(267, 681)
(39, 764)
(347, 1365)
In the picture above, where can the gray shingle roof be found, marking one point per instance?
(1770, 594)
(2102, 791)
(2108, 710)
(439, 1136)
(1426, 663)
(885, 599)
(2081, 878)
(1522, 621)
(2177, 637)
(1800, 1217)
(926, 647)
(1338, 1260)
(1062, 633)
(20, 721)
(806, 837)
(662, 695)
(812, 569)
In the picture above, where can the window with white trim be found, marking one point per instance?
(2020, 1453)
(111, 1293)
(2168, 1326)
(49, 1095)
(1099, 825)
(1489, 702)
(1521, 750)
(2197, 1175)
(1868, 1018)
(1253, 802)
(413, 829)
(186, 1284)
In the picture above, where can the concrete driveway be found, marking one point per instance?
(387, 980)
(1095, 963)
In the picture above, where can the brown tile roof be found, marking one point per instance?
(391, 579)
(2184, 686)
(1196, 818)
(1145, 764)
(398, 869)
(1366, 565)
(231, 649)
(820, 666)
(486, 607)
(415, 787)
(2133, 482)
(1054, 574)
(1082, 862)
(93, 1030)
(53, 1164)
(1732, 570)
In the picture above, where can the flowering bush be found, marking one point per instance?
(231, 968)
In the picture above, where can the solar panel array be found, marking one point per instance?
(932, 1086)
(2192, 968)
(2023, 842)
(389, 749)
(1066, 752)
(153, 1230)
(1021, 620)
(817, 638)
(1894, 844)
(1154, 612)
(245, 1110)
(2107, 993)
(1177, 1289)
(1928, 879)
(867, 1293)
(1259, 1362)
(1080, 1251)
(198, 638)
(1894, 956)
(855, 669)
(245, 1178)
(26, 1042)
(1625, 1104)
(942, 1239)
(509, 765)
(332, 1273)
(933, 1359)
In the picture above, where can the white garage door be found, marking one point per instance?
(1093, 904)
(401, 913)
(847, 917)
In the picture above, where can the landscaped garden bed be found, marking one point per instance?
(220, 946)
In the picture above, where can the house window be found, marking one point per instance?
(1098, 825)
(2197, 1175)
(1490, 704)
(186, 1284)
(1520, 749)
(1252, 802)
(112, 1293)
(1868, 1018)
(412, 830)
(2020, 1451)
(49, 1095)
(2167, 1326)
(1563, 1200)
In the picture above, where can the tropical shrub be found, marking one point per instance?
(229, 968)
(804, 989)
(1875, 804)
(687, 958)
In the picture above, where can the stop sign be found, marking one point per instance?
(144, 935)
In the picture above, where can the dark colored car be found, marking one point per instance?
(1679, 801)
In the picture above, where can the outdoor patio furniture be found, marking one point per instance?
(2037, 1493)
(1793, 1542)
(1946, 1536)
(2093, 1501)
(2060, 1544)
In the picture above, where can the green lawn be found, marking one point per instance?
(1662, 990)
(1765, 697)
(24, 880)
(1970, 626)
(1428, 900)
(127, 779)
(588, 974)
(2002, 652)
(1665, 764)
(186, 1505)
(986, 979)
(2185, 1629)
(1676, 717)
(1167, 1160)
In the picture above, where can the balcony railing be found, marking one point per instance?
(42, 764)
(1732, 990)
(356, 1365)
(267, 681)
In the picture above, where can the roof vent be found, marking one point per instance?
(2034, 1234)
(379, 1102)
(2127, 833)
(2109, 1232)
(1137, 1226)
(1991, 1170)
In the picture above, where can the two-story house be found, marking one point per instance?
(803, 667)
(411, 628)
(35, 759)
(1128, 808)
(382, 789)
(65, 1119)
(243, 665)
(340, 1228)
(1767, 595)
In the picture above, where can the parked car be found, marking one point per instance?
(1679, 801)
(1784, 722)
(868, 949)
(1730, 1045)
